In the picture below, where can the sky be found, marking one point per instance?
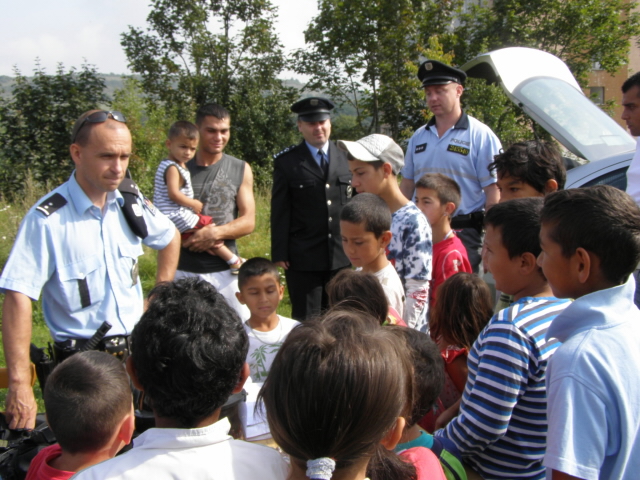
(75, 31)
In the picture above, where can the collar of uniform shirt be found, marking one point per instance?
(314, 151)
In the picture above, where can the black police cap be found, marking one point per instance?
(313, 109)
(433, 72)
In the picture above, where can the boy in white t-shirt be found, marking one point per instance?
(365, 227)
(261, 291)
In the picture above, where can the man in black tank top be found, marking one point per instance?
(224, 184)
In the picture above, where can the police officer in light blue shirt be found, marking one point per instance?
(78, 249)
(456, 145)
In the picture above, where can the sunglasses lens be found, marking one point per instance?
(118, 116)
(98, 117)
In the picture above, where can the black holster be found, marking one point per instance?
(472, 220)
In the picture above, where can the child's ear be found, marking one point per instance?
(127, 428)
(131, 370)
(529, 263)
(394, 435)
(449, 208)
(385, 238)
(550, 186)
(386, 168)
(244, 374)
(167, 143)
(280, 291)
(584, 264)
(241, 298)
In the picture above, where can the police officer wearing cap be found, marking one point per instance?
(79, 247)
(311, 184)
(457, 145)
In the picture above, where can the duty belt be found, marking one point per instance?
(117, 345)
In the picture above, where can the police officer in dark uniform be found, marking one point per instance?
(311, 184)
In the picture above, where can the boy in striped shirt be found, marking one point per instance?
(502, 425)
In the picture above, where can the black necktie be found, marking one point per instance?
(324, 164)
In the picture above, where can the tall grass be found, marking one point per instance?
(258, 244)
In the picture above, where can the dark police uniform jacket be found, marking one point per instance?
(305, 209)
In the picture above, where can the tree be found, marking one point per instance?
(35, 124)
(580, 32)
(223, 51)
(365, 53)
(149, 124)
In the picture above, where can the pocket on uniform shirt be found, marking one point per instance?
(129, 257)
(82, 282)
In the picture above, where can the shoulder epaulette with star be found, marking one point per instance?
(51, 204)
(284, 151)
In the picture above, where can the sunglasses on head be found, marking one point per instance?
(100, 116)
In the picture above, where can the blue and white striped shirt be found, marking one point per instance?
(502, 426)
(183, 217)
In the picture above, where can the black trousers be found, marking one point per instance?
(472, 240)
(307, 292)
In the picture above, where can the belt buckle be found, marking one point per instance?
(116, 346)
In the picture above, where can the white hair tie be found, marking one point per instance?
(321, 468)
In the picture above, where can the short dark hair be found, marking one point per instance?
(182, 128)
(533, 162)
(370, 211)
(211, 110)
(445, 187)
(632, 81)
(519, 222)
(601, 219)
(188, 350)
(256, 267)
(359, 291)
(86, 397)
(463, 307)
(428, 371)
(366, 373)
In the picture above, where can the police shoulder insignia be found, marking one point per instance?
(284, 151)
(51, 204)
(148, 205)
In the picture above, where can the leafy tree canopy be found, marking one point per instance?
(224, 51)
(35, 124)
(580, 32)
(365, 53)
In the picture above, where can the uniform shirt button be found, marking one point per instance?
(330, 218)
(328, 202)
(327, 185)
(300, 186)
(329, 235)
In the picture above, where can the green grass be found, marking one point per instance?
(258, 244)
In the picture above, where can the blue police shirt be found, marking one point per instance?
(84, 261)
(463, 153)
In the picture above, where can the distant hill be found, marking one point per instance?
(113, 82)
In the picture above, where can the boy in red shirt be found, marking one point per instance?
(438, 197)
(90, 410)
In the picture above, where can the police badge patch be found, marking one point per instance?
(149, 206)
(420, 148)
